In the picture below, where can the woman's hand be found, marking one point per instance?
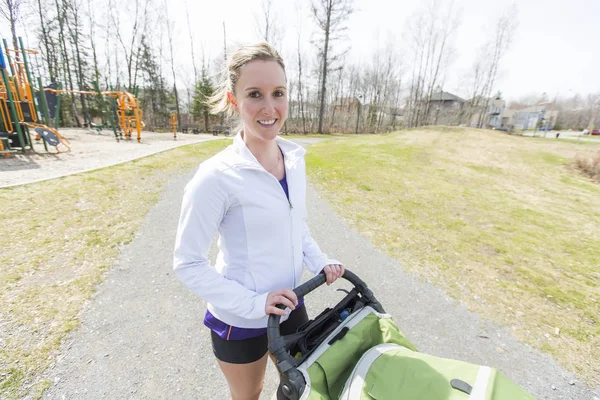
(332, 272)
(286, 297)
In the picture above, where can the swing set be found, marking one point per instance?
(18, 111)
(24, 107)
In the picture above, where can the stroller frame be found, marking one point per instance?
(327, 325)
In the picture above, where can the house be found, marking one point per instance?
(494, 113)
(445, 108)
(508, 116)
(491, 116)
(537, 116)
(446, 101)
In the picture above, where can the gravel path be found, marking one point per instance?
(142, 335)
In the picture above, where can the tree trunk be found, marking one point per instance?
(170, 36)
(46, 43)
(93, 42)
(74, 32)
(324, 71)
(65, 54)
(191, 45)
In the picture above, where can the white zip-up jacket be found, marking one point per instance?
(263, 238)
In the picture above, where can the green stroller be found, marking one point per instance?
(355, 351)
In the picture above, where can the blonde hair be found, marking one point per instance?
(262, 51)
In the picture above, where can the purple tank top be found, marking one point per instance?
(229, 332)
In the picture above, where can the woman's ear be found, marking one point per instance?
(232, 100)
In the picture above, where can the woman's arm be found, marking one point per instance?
(314, 258)
(204, 205)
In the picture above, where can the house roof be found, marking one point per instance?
(445, 96)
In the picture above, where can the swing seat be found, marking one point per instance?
(48, 136)
(96, 127)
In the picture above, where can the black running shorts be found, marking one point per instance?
(253, 349)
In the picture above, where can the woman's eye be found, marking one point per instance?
(279, 93)
(255, 94)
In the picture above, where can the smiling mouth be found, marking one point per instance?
(269, 122)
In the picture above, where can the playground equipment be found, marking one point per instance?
(21, 105)
(18, 111)
(127, 110)
(174, 123)
(130, 115)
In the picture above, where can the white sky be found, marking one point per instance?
(556, 47)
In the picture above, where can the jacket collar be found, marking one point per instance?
(292, 152)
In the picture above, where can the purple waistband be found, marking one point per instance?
(229, 332)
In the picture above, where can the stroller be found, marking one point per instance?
(355, 351)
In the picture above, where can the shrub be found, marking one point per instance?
(589, 165)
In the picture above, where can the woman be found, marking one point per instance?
(253, 195)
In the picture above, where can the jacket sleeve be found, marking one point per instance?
(314, 259)
(205, 203)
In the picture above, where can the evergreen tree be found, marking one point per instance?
(204, 90)
(154, 97)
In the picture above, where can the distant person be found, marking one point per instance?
(252, 194)
(557, 134)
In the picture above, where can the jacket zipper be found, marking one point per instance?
(291, 226)
(291, 220)
(291, 236)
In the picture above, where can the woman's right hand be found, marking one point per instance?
(286, 297)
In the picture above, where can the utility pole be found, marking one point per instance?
(357, 112)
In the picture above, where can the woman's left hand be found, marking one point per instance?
(332, 272)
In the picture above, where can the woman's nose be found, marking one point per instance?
(268, 105)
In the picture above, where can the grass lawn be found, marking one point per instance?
(312, 135)
(59, 237)
(502, 223)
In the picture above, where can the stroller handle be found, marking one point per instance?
(286, 364)
(310, 285)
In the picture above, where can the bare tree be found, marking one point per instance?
(170, 37)
(495, 49)
(484, 71)
(337, 94)
(112, 54)
(330, 16)
(187, 13)
(48, 49)
(391, 76)
(432, 32)
(579, 112)
(475, 85)
(300, 67)
(91, 21)
(266, 27)
(354, 78)
(132, 49)
(72, 12)
(66, 64)
(10, 11)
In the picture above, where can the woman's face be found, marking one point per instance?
(261, 99)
